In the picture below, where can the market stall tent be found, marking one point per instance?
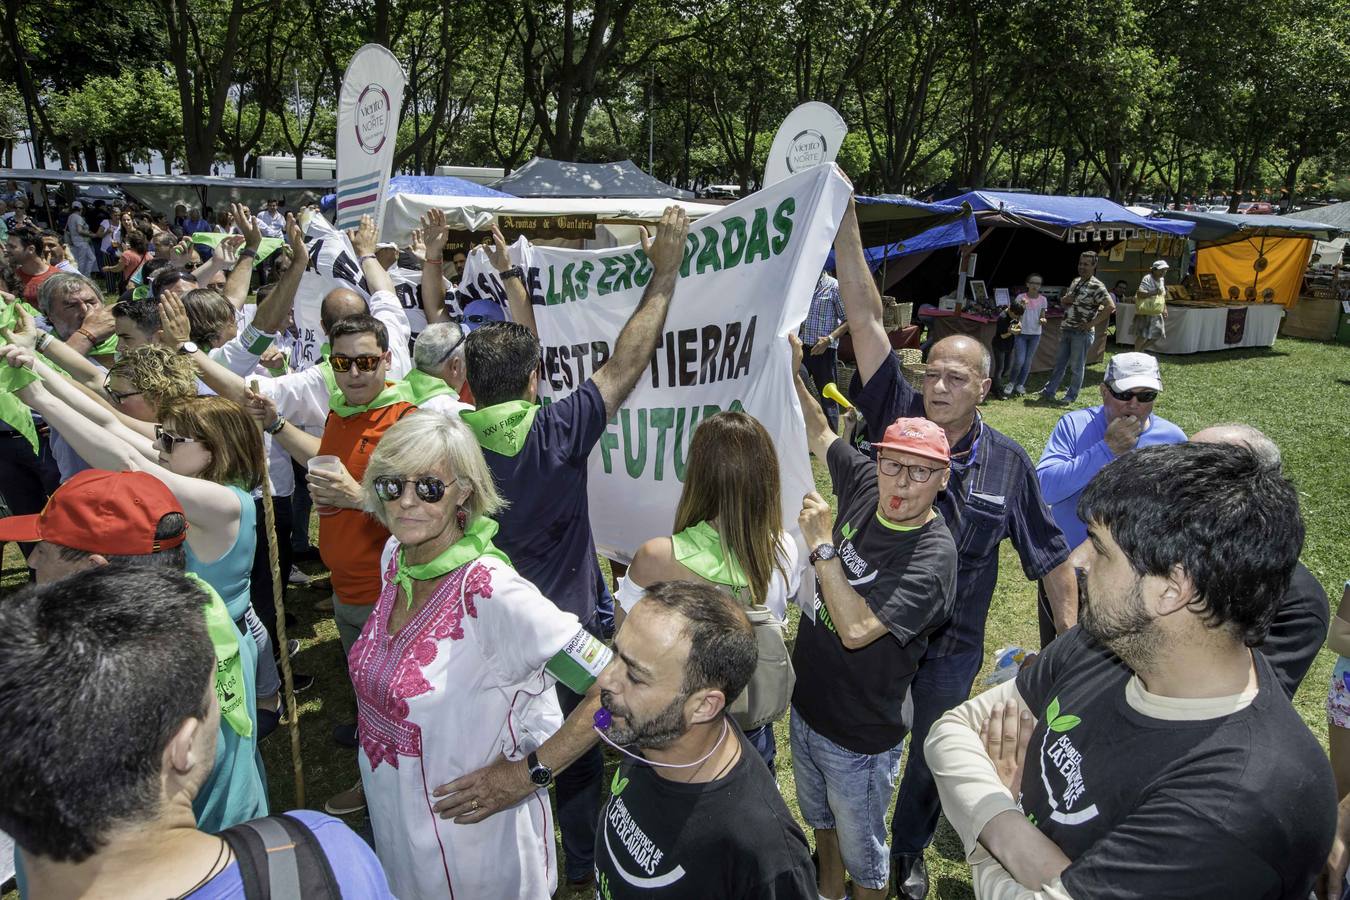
(542, 177)
(163, 192)
(1259, 259)
(1327, 253)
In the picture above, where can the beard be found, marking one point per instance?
(653, 733)
(1130, 632)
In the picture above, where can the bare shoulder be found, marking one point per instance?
(655, 561)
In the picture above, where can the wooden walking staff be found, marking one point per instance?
(279, 600)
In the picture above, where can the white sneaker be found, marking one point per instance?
(298, 577)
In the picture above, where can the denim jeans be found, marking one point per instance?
(822, 370)
(1024, 351)
(1072, 355)
(761, 739)
(846, 792)
(1002, 369)
(942, 683)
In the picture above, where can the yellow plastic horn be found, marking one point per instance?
(831, 392)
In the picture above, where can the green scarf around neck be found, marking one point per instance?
(476, 542)
(13, 411)
(225, 637)
(396, 392)
(504, 427)
(699, 548)
(424, 386)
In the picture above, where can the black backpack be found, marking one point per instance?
(281, 859)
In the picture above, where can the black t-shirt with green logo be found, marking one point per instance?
(1242, 805)
(860, 698)
(729, 838)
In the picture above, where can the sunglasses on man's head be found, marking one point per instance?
(362, 363)
(1144, 396)
(166, 440)
(430, 489)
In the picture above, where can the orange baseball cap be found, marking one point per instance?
(97, 511)
(917, 436)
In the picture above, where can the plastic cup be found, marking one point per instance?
(327, 464)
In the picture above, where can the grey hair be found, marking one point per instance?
(438, 343)
(63, 285)
(1267, 451)
(427, 442)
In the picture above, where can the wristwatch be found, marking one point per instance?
(187, 348)
(513, 272)
(540, 774)
(247, 251)
(824, 551)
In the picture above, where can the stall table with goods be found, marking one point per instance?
(981, 326)
(1197, 327)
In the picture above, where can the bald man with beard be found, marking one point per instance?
(1300, 625)
(992, 494)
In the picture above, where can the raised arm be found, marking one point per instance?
(25, 334)
(637, 341)
(301, 445)
(857, 625)
(270, 317)
(819, 434)
(517, 299)
(862, 300)
(435, 234)
(363, 238)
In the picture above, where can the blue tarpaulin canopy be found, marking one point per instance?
(1059, 216)
(944, 225)
(431, 185)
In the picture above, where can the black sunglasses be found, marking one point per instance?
(1127, 396)
(362, 363)
(118, 396)
(430, 489)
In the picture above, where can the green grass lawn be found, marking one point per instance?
(1297, 392)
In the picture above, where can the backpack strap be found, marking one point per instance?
(280, 859)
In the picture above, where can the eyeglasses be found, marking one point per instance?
(362, 363)
(430, 489)
(917, 474)
(1127, 396)
(118, 396)
(166, 441)
(477, 319)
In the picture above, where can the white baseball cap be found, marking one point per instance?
(1127, 371)
(1160, 264)
(386, 245)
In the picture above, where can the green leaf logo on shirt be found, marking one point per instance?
(618, 784)
(1055, 722)
(848, 531)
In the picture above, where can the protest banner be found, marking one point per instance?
(746, 283)
(367, 125)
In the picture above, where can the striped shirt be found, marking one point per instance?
(825, 315)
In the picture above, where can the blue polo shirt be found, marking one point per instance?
(992, 494)
(1076, 452)
(546, 528)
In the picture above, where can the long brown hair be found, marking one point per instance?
(227, 431)
(732, 477)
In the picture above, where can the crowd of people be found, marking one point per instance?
(160, 457)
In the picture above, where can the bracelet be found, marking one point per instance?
(365, 257)
(437, 261)
(43, 340)
(247, 252)
(276, 426)
(513, 272)
(88, 336)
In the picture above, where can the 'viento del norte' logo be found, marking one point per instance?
(1064, 760)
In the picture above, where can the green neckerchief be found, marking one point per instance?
(894, 527)
(699, 548)
(476, 542)
(394, 392)
(504, 427)
(230, 690)
(266, 247)
(13, 410)
(109, 345)
(424, 386)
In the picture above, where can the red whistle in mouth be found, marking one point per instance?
(895, 503)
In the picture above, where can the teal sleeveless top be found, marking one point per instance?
(230, 575)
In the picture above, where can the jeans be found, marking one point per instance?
(1072, 355)
(350, 619)
(761, 739)
(1002, 369)
(300, 507)
(942, 683)
(822, 371)
(578, 795)
(268, 678)
(1024, 351)
(261, 595)
(846, 792)
(21, 480)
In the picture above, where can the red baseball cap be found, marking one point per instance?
(97, 511)
(917, 436)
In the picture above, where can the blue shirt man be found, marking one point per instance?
(824, 324)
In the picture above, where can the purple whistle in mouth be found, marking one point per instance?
(602, 719)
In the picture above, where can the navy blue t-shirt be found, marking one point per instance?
(546, 529)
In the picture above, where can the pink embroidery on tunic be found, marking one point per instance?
(387, 670)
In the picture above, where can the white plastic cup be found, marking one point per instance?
(327, 464)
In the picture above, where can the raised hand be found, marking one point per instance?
(435, 232)
(295, 242)
(364, 237)
(667, 251)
